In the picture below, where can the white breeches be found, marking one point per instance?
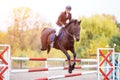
(57, 28)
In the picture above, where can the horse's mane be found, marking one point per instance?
(71, 21)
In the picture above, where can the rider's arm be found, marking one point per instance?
(59, 22)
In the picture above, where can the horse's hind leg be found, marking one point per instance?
(48, 49)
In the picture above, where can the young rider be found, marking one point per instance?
(63, 18)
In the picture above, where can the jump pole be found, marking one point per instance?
(51, 59)
(51, 69)
(67, 75)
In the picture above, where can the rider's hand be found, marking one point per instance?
(67, 21)
(63, 25)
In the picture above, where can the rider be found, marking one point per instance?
(63, 18)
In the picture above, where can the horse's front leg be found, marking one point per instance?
(69, 62)
(68, 58)
(74, 56)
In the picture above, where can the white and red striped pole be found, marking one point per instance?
(51, 59)
(66, 75)
(52, 69)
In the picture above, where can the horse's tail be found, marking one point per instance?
(44, 29)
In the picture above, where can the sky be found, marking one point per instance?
(50, 9)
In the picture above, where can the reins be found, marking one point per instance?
(68, 33)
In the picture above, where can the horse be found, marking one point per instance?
(65, 40)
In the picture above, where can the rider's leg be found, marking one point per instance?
(58, 28)
(52, 38)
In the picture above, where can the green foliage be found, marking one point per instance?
(95, 33)
(3, 38)
(118, 25)
(115, 39)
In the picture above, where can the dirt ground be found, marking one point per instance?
(36, 75)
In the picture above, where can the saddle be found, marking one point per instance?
(50, 37)
(53, 36)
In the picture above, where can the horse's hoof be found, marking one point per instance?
(73, 66)
(74, 63)
(70, 71)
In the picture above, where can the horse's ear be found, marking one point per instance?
(79, 21)
(75, 21)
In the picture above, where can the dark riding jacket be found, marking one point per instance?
(63, 18)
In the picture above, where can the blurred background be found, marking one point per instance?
(21, 22)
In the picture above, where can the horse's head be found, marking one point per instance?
(74, 28)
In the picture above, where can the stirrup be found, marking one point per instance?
(52, 44)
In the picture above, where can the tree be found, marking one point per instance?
(16, 31)
(95, 33)
(3, 38)
(25, 31)
(115, 39)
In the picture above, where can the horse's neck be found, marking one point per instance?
(68, 29)
(68, 32)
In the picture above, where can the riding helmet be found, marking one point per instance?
(68, 7)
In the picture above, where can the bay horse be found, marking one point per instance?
(65, 40)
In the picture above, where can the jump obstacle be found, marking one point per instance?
(67, 75)
(7, 65)
(51, 59)
(108, 64)
(52, 69)
(5, 62)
